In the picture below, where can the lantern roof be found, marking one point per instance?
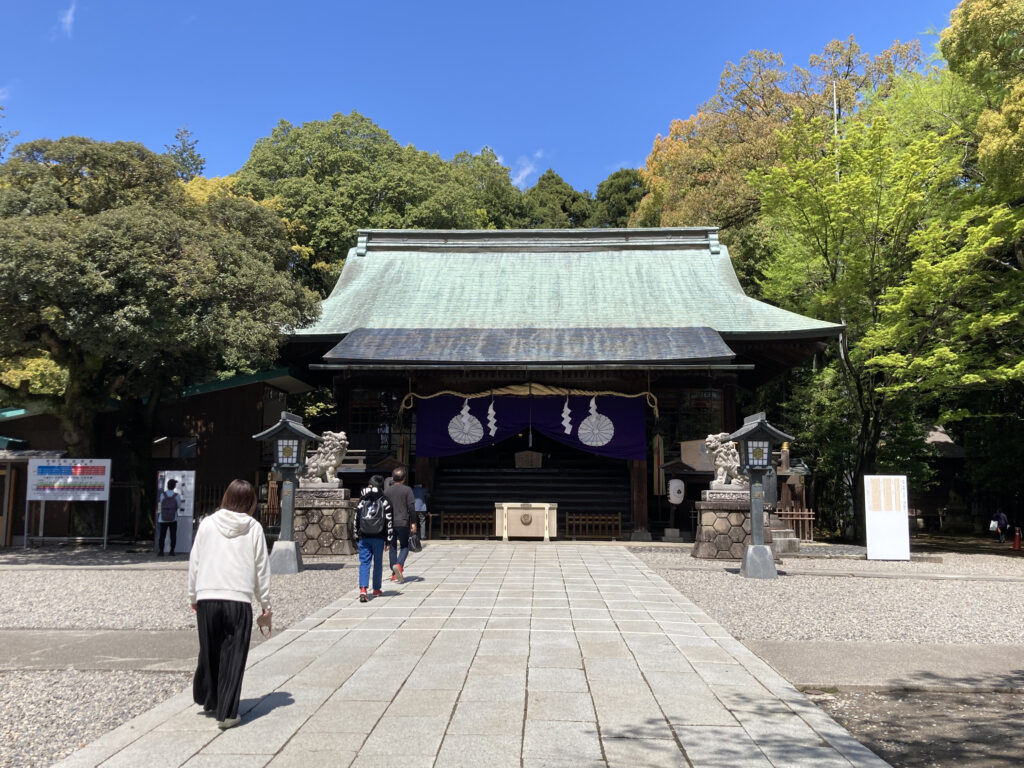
(756, 426)
(291, 426)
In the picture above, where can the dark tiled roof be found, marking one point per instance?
(508, 346)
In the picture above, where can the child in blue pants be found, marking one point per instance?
(373, 528)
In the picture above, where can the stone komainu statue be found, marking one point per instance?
(726, 460)
(322, 465)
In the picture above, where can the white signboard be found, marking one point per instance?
(885, 512)
(68, 480)
(186, 487)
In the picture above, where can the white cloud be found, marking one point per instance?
(67, 19)
(524, 167)
(5, 93)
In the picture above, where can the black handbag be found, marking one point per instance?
(415, 545)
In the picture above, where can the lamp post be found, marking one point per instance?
(756, 438)
(290, 439)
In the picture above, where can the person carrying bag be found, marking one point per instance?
(228, 568)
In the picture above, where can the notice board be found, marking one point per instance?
(68, 480)
(885, 513)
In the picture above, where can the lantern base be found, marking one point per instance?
(285, 557)
(758, 562)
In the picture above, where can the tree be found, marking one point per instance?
(698, 173)
(5, 136)
(330, 179)
(497, 202)
(188, 163)
(552, 203)
(128, 286)
(616, 199)
(984, 44)
(844, 212)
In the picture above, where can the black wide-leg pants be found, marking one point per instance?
(225, 627)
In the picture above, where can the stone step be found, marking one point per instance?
(785, 544)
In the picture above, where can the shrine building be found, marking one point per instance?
(559, 366)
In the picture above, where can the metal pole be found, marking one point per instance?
(106, 520)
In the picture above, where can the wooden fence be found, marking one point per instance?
(800, 519)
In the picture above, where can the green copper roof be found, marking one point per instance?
(607, 278)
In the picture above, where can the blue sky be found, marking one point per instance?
(581, 87)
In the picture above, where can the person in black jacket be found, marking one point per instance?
(1002, 525)
(372, 527)
(403, 507)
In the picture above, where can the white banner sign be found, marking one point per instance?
(68, 480)
(885, 513)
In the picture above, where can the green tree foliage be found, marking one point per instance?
(188, 163)
(130, 287)
(616, 199)
(698, 173)
(552, 203)
(496, 201)
(5, 136)
(844, 211)
(984, 44)
(330, 179)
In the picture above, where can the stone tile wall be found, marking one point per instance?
(323, 521)
(724, 530)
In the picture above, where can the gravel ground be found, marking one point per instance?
(38, 593)
(932, 730)
(907, 729)
(824, 607)
(46, 715)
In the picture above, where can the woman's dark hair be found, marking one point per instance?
(239, 497)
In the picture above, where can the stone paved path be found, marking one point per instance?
(500, 654)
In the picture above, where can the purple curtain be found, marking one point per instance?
(607, 425)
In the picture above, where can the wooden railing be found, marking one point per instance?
(580, 525)
(800, 519)
(467, 525)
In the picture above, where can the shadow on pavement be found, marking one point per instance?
(256, 708)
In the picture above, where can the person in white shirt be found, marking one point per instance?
(228, 568)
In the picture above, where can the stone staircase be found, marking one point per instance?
(784, 540)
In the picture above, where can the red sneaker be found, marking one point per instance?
(377, 593)
(398, 573)
(362, 595)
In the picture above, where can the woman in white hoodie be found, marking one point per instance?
(227, 569)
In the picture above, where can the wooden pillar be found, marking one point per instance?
(730, 422)
(342, 389)
(638, 484)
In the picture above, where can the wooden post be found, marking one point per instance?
(638, 481)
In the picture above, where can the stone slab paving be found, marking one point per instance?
(516, 654)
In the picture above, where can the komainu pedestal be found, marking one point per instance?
(323, 521)
(723, 532)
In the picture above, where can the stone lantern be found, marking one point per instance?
(755, 440)
(290, 439)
